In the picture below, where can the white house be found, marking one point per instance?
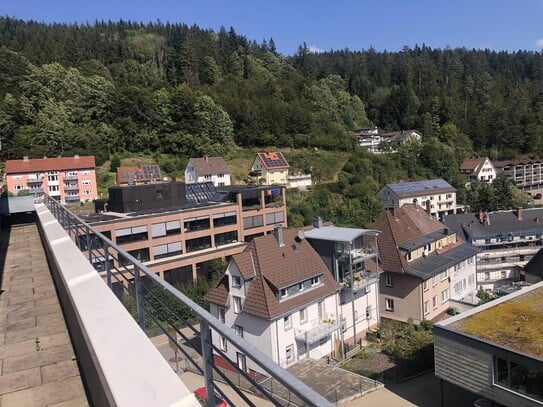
(207, 169)
(480, 169)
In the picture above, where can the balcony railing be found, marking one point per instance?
(157, 305)
(71, 187)
(317, 329)
(70, 177)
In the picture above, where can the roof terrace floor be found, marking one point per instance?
(37, 362)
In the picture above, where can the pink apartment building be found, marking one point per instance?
(68, 179)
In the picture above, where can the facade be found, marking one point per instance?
(68, 179)
(437, 196)
(300, 181)
(208, 169)
(375, 142)
(525, 174)
(478, 169)
(270, 168)
(507, 241)
(137, 175)
(279, 295)
(424, 265)
(176, 229)
(351, 256)
(495, 350)
(400, 138)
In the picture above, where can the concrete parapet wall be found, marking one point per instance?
(118, 363)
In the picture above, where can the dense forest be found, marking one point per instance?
(111, 87)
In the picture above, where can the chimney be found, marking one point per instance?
(278, 233)
(519, 213)
(429, 207)
(317, 223)
(446, 231)
(25, 158)
(416, 203)
(481, 217)
(206, 158)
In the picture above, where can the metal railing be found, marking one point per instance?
(156, 304)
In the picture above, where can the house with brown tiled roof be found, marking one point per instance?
(280, 296)
(270, 168)
(207, 169)
(478, 169)
(425, 265)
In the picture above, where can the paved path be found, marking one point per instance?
(37, 363)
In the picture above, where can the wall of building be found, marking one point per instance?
(464, 280)
(405, 294)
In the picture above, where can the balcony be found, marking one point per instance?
(317, 329)
(33, 179)
(70, 178)
(37, 190)
(69, 187)
(72, 198)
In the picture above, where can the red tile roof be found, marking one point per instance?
(49, 164)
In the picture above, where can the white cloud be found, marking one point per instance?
(539, 43)
(315, 50)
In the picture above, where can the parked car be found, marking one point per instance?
(537, 196)
(201, 396)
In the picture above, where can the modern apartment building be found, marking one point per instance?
(507, 240)
(437, 196)
(177, 229)
(207, 169)
(525, 174)
(424, 265)
(68, 179)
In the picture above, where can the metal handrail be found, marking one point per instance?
(99, 246)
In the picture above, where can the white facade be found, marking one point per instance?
(439, 203)
(464, 280)
(487, 172)
(192, 177)
(301, 181)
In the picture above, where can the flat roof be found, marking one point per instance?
(514, 322)
(416, 187)
(339, 234)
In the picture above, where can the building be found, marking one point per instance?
(207, 169)
(68, 179)
(525, 174)
(372, 140)
(299, 180)
(177, 229)
(478, 169)
(270, 168)
(436, 195)
(424, 265)
(400, 138)
(278, 295)
(351, 255)
(369, 138)
(507, 241)
(137, 175)
(532, 272)
(495, 350)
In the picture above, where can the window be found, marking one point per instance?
(389, 281)
(470, 260)
(223, 219)
(444, 275)
(236, 281)
(86, 182)
(131, 234)
(253, 222)
(20, 187)
(368, 312)
(519, 378)
(434, 280)
(169, 228)
(425, 285)
(200, 243)
(52, 178)
(237, 304)
(242, 363)
(426, 307)
(87, 192)
(315, 280)
(303, 316)
(434, 302)
(85, 172)
(226, 238)
(356, 315)
(487, 275)
(198, 223)
(276, 217)
(503, 274)
(224, 346)
(17, 177)
(53, 188)
(283, 293)
(389, 304)
(444, 295)
(289, 353)
(287, 322)
(167, 250)
(222, 314)
(239, 330)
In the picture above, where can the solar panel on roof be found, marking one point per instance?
(200, 192)
(151, 171)
(274, 160)
(419, 185)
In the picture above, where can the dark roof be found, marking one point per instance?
(439, 261)
(209, 165)
(270, 267)
(507, 163)
(473, 165)
(416, 188)
(219, 294)
(140, 173)
(49, 164)
(498, 224)
(273, 160)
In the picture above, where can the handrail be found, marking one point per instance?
(142, 292)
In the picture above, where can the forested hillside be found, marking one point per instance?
(183, 91)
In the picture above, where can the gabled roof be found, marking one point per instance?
(416, 188)
(209, 165)
(274, 160)
(270, 267)
(473, 164)
(49, 164)
(407, 227)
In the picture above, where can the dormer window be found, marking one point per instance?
(315, 281)
(236, 281)
(283, 293)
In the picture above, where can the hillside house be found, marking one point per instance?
(270, 168)
(207, 169)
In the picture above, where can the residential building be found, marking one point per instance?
(375, 142)
(68, 179)
(369, 138)
(139, 174)
(279, 295)
(270, 168)
(437, 196)
(532, 272)
(177, 229)
(525, 174)
(299, 180)
(208, 169)
(495, 350)
(478, 169)
(424, 265)
(400, 138)
(351, 255)
(507, 241)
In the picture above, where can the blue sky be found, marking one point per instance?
(322, 25)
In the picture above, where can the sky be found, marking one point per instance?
(323, 25)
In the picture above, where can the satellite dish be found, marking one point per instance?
(301, 235)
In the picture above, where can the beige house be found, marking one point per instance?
(425, 265)
(270, 168)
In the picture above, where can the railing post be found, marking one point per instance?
(207, 356)
(108, 269)
(89, 248)
(139, 297)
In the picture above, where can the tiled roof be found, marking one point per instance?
(273, 160)
(145, 173)
(416, 188)
(275, 267)
(219, 294)
(473, 164)
(441, 260)
(209, 165)
(501, 164)
(49, 164)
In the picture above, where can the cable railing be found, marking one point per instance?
(160, 308)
